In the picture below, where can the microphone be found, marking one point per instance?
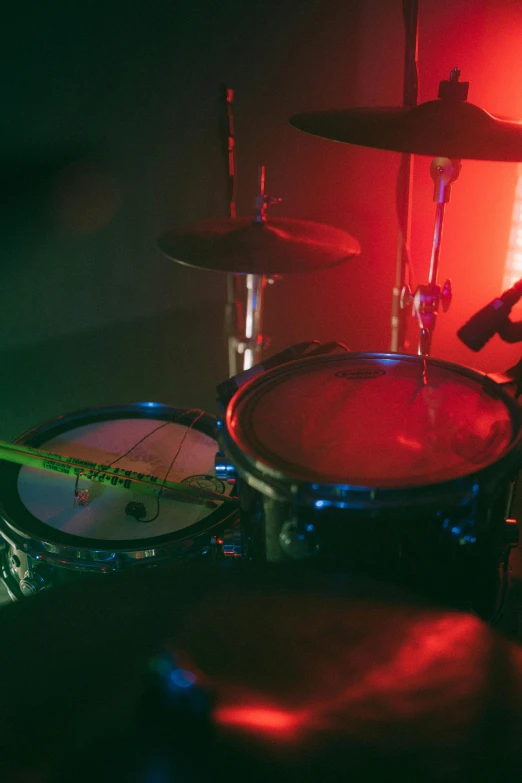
(491, 319)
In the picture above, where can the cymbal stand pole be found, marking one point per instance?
(253, 343)
(254, 320)
(428, 298)
(410, 14)
(233, 305)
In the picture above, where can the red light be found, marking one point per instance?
(264, 719)
(513, 266)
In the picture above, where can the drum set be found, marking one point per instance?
(395, 467)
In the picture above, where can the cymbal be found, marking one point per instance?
(449, 128)
(279, 246)
(307, 675)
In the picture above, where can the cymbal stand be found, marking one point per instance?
(250, 345)
(233, 304)
(429, 297)
(405, 177)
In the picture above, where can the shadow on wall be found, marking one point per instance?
(175, 357)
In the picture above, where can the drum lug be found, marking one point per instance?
(224, 469)
(26, 576)
(229, 544)
(294, 542)
(511, 532)
(32, 583)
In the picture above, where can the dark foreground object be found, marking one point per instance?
(195, 672)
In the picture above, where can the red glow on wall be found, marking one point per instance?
(513, 268)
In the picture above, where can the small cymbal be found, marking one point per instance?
(277, 246)
(450, 128)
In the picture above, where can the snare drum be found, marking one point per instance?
(48, 535)
(391, 464)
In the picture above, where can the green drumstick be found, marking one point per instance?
(120, 478)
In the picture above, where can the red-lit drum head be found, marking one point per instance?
(372, 420)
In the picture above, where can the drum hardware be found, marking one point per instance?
(110, 476)
(227, 545)
(227, 389)
(252, 344)
(512, 532)
(271, 247)
(421, 480)
(448, 129)
(45, 537)
(233, 306)
(404, 179)
(426, 300)
(493, 319)
(223, 467)
(262, 249)
(243, 326)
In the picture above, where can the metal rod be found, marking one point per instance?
(437, 239)
(233, 281)
(254, 317)
(232, 323)
(404, 183)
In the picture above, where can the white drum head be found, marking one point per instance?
(50, 497)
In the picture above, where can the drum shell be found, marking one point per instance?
(447, 537)
(35, 555)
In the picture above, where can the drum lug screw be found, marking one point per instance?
(511, 532)
(294, 543)
(31, 584)
(224, 469)
(446, 295)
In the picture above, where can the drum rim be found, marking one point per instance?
(15, 515)
(281, 485)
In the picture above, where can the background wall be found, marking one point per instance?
(111, 136)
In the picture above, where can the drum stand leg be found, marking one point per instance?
(232, 321)
(250, 344)
(254, 320)
(246, 348)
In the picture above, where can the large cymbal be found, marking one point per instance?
(449, 128)
(278, 246)
(308, 676)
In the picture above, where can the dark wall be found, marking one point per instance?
(111, 136)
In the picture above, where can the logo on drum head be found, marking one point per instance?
(362, 375)
(202, 481)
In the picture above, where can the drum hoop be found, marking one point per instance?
(281, 485)
(31, 533)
